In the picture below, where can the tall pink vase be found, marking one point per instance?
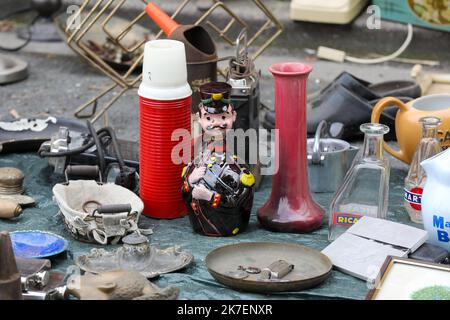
(290, 207)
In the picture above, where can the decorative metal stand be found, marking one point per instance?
(100, 13)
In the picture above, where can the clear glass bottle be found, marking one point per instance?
(428, 146)
(365, 189)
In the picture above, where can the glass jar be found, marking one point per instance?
(365, 189)
(428, 146)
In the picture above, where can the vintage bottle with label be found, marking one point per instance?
(365, 189)
(415, 180)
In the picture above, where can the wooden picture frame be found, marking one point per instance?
(427, 270)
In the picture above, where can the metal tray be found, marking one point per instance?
(310, 266)
(163, 261)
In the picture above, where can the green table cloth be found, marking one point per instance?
(195, 282)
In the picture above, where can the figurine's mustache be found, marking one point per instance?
(212, 127)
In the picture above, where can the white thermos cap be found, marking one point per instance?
(164, 73)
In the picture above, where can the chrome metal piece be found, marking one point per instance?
(35, 281)
(328, 160)
(277, 270)
(59, 293)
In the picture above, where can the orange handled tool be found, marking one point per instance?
(166, 23)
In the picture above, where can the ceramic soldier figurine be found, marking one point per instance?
(217, 190)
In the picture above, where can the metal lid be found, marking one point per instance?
(11, 180)
(134, 239)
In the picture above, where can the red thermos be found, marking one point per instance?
(164, 102)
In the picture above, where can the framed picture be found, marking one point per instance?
(408, 279)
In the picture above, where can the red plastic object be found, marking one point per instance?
(290, 207)
(160, 178)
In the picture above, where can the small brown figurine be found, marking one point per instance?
(10, 285)
(119, 284)
(217, 190)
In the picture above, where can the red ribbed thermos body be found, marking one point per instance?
(160, 177)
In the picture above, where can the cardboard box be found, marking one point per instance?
(433, 14)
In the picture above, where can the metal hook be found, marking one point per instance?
(317, 157)
(242, 55)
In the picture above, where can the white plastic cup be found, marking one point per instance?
(164, 73)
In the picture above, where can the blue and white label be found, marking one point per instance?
(442, 228)
(414, 197)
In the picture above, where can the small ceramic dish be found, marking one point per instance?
(37, 244)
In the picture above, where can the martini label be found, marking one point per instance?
(414, 197)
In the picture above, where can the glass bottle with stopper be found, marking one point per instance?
(365, 188)
(428, 146)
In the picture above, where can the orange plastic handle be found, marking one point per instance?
(166, 23)
(376, 114)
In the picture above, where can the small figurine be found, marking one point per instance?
(217, 188)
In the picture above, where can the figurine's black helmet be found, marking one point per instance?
(215, 97)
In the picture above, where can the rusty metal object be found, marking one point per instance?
(201, 55)
(10, 283)
(101, 13)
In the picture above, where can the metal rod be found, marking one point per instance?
(93, 100)
(109, 104)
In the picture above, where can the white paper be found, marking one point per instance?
(389, 232)
(359, 257)
(363, 248)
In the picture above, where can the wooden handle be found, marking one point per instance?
(114, 208)
(86, 171)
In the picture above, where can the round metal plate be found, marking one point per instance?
(310, 266)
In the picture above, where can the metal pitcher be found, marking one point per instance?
(328, 160)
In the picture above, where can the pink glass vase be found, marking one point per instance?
(290, 207)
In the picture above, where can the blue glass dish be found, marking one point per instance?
(37, 244)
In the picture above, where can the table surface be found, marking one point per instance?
(195, 282)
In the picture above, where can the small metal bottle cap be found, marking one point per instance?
(134, 239)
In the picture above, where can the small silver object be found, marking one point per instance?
(36, 281)
(59, 293)
(240, 274)
(277, 270)
(250, 270)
